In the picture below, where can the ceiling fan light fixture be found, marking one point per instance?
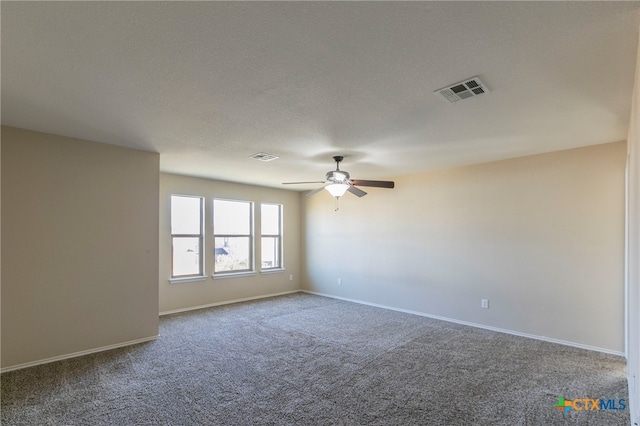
(337, 189)
(338, 182)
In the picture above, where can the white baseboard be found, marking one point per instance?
(133, 342)
(76, 354)
(473, 324)
(634, 397)
(226, 302)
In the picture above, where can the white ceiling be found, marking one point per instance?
(206, 84)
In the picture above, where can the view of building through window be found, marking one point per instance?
(186, 236)
(233, 235)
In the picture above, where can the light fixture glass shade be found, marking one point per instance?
(337, 189)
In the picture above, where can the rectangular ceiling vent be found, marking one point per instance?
(263, 156)
(462, 90)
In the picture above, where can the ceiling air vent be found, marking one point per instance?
(263, 156)
(465, 89)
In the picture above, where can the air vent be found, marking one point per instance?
(263, 156)
(463, 90)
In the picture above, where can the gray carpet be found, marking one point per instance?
(308, 360)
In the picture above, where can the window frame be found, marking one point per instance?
(251, 237)
(200, 236)
(279, 249)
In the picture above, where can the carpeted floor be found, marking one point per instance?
(308, 360)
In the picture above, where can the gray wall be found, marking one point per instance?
(183, 295)
(79, 244)
(541, 237)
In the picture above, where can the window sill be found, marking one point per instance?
(187, 279)
(222, 275)
(273, 271)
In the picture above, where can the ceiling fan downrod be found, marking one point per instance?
(338, 159)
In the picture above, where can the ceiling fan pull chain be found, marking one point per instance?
(337, 205)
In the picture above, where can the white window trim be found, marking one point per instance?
(188, 279)
(273, 271)
(280, 237)
(232, 274)
(251, 236)
(201, 236)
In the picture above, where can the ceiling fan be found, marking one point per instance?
(338, 182)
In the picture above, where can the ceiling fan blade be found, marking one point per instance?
(356, 191)
(296, 183)
(374, 183)
(314, 192)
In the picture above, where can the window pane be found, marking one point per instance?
(186, 256)
(270, 252)
(185, 214)
(232, 254)
(270, 219)
(231, 217)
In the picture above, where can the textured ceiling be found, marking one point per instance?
(206, 84)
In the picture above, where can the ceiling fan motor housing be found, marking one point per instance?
(337, 176)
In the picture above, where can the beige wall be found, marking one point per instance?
(79, 245)
(541, 237)
(633, 253)
(0, 252)
(185, 295)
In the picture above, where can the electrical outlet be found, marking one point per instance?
(290, 277)
(339, 281)
(484, 303)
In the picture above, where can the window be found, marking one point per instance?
(233, 236)
(271, 229)
(186, 236)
